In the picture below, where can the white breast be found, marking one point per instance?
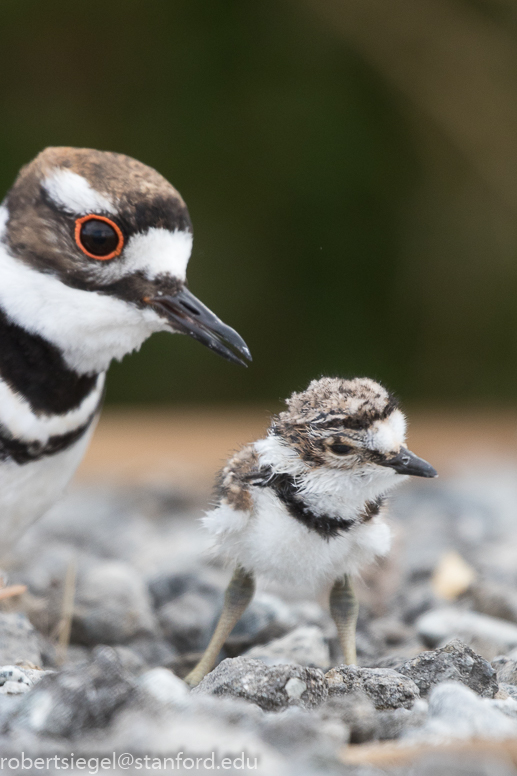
(27, 491)
(278, 548)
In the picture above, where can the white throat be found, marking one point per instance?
(330, 491)
(89, 328)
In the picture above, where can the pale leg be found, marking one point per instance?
(237, 597)
(344, 609)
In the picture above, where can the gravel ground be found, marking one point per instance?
(435, 691)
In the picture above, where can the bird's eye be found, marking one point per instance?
(339, 449)
(98, 237)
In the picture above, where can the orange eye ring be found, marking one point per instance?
(80, 222)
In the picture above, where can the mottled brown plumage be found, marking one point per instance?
(336, 402)
(234, 481)
(304, 507)
(332, 411)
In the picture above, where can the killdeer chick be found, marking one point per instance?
(304, 507)
(93, 252)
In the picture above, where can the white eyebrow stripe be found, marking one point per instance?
(388, 434)
(73, 192)
(158, 252)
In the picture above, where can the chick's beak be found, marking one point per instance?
(406, 462)
(190, 316)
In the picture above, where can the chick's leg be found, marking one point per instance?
(237, 597)
(344, 609)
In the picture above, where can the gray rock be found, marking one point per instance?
(490, 636)
(168, 587)
(499, 661)
(265, 619)
(271, 687)
(455, 711)
(424, 514)
(365, 723)
(19, 642)
(454, 662)
(507, 705)
(230, 709)
(188, 621)
(302, 735)
(15, 680)
(13, 674)
(45, 577)
(391, 631)
(495, 599)
(512, 654)
(194, 734)
(129, 659)
(163, 686)
(78, 698)
(112, 605)
(305, 646)
(387, 688)
(506, 669)
(77, 653)
(189, 618)
(357, 711)
(415, 598)
(394, 723)
(305, 613)
(394, 661)
(183, 664)
(9, 703)
(152, 709)
(14, 688)
(152, 651)
(508, 689)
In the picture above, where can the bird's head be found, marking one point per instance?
(93, 255)
(349, 425)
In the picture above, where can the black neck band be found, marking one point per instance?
(324, 525)
(27, 452)
(36, 370)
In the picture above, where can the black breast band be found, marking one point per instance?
(26, 452)
(327, 527)
(35, 369)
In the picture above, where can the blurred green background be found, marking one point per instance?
(350, 169)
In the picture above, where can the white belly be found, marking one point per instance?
(278, 548)
(27, 491)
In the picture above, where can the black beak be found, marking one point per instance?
(406, 462)
(190, 316)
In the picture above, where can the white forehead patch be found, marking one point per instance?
(158, 252)
(389, 434)
(73, 192)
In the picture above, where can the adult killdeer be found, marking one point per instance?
(304, 507)
(93, 252)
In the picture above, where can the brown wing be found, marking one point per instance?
(235, 481)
